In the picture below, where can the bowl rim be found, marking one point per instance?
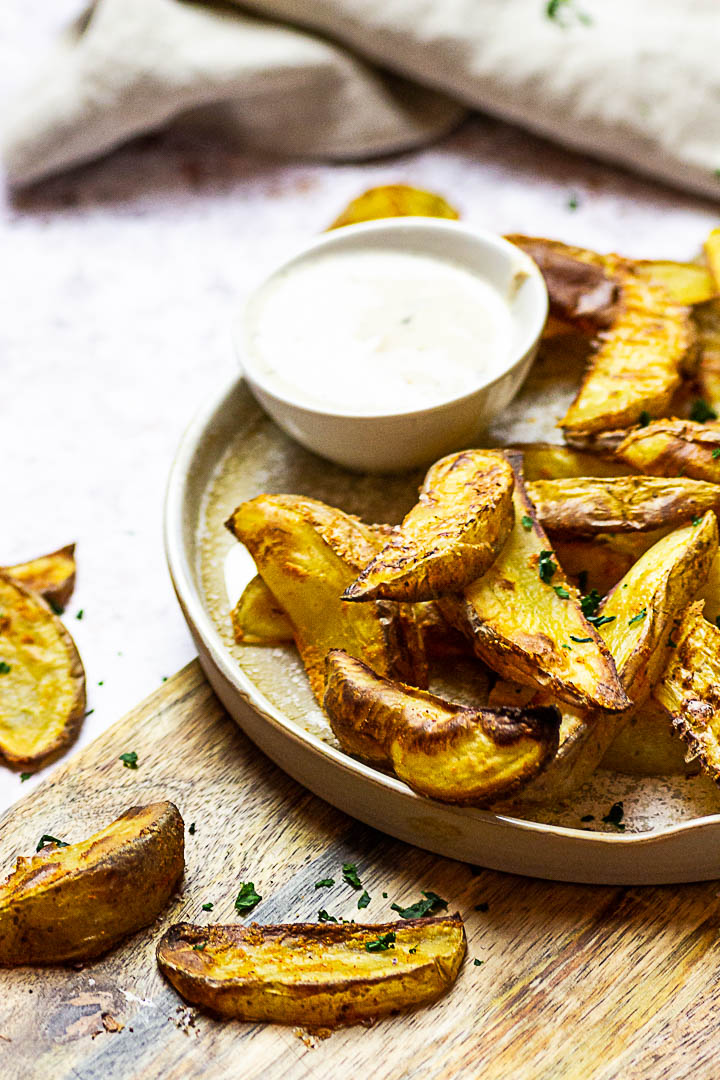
(201, 623)
(415, 224)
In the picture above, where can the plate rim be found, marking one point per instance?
(200, 622)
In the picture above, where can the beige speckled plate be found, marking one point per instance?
(231, 452)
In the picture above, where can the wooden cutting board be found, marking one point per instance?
(574, 981)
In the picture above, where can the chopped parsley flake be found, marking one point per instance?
(644, 418)
(615, 815)
(57, 609)
(600, 620)
(701, 411)
(325, 883)
(324, 916)
(418, 910)
(564, 13)
(200, 946)
(384, 896)
(4, 667)
(482, 907)
(580, 640)
(382, 943)
(364, 900)
(477, 963)
(568, 647)
(716, 452)
(209, 906)
(590, 603)
(638, 618)
(129, 759)
(247, 898)
(46, 838)
(561, 592)
(546, 567)
(25, 776)
(350, 874)
(191, 830)
(89, 712)
(80, 614)
(526, 522)
(696, 520)
(573, 202)
(413, 950)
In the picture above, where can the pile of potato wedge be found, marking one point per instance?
(584, 576)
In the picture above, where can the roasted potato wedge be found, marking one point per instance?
(638, 616)
(450, 537)
(712, 255)
(586, 506)
(257, 618)
(394, 200)
(76, 902)
(682, 448)
(53, 575)
(443, 750)
(690, 687)
(685, 282)
(707, 323)
(42, 681)
(317, 975)
(522, 614)
(307, 554)
(546, 461)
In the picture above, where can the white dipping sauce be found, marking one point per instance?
(377, 331)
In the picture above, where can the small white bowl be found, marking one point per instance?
(404, 439)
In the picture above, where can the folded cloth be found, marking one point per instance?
(636, 83)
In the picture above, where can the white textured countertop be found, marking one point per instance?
(118, 284)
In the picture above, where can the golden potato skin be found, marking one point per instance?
(394, 200)
(257, 618)
(42, 694)
(442, 750)
(317, 975)
(548, 461)
(307, 554)
(674, 448)
(586, 506)
(76, 902)
(521, 627)
(450, 537)
(53, 575)
(707, 323)
(686, 283)
(690, 687)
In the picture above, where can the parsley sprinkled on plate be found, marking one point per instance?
(247, 898)
(580, 640)
(191, 830)
(350, 874)
(364, 900)
(421, 908)
(325, 883)
(615, 815)
(129, 759)
(324, 916)
(209, 906)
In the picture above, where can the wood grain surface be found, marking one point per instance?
(575, 981)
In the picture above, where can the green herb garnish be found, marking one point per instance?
(364, 900)
(57, 609)
(191, 829)
(600, 620)
(382, 943)
(561, 592)
(590, 603)
(573, 202)
(580, 640)
(247, 898)
(526, 522)
(477, 963)
(324, 916)
(564, 12)
(4, 667)
(200, 946)
(701, 411)
(25, 776)
(350, 874)
(638, 618)
(325, 883)
(80, 614)
(129, 759)
(644, 418)
(418, 910)
(209, 906)
(716, 452)
(546, 567)
(615, 815)
(413, 950)
(46, 838)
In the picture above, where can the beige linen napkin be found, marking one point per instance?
(631, 81)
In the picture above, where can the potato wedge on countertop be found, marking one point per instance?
(257, 618)
(522, 615)
(317, 975)
(681, 448)
(53, 575)
(308, 553)
(394, 200)
(690, 687)
(76, 902)
(450, 537)
(42, 681)
(586, 506)
(442, 750)
(547, 461)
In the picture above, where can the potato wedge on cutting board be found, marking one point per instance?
(586, 506)
(257, 618)
(75, 902)
(317, 975)
(394, 200)
(308, 553)
(42, 681)
(440, 749)
(522, 615)
(450, 537)
(674, 447)
(53, 575)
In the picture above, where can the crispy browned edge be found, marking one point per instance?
(57, 593)
(77, 673)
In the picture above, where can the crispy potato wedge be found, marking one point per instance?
(257, 618)
(307, 554)
(707, 322)
(394, 200)
(443, 750)
(546, 461)
(690, 687)
(42, 681)
(712, 255)
(76, 902)
(314, 974)
(586, 506)
(686, 282)
(709, 593)
(522, 614)
(53, 575)
(673, 447)
(641, 612)
(648, 746)
(450, 537)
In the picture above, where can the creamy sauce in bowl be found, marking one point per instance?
(376, 331)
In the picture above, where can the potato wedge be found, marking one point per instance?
(307, 554)
(707, 323)
(450, 537)
(709, 593)
(394, 200)
(76, 902)
(637, 620)
(546, 461)
(442, 750)
(690, 687)
(522, 615)
(314, 974)
(257, 618)
(53, 575)
(586, 506)
(42, 681)
(685, 282)
(712, 255)
(674, 447)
